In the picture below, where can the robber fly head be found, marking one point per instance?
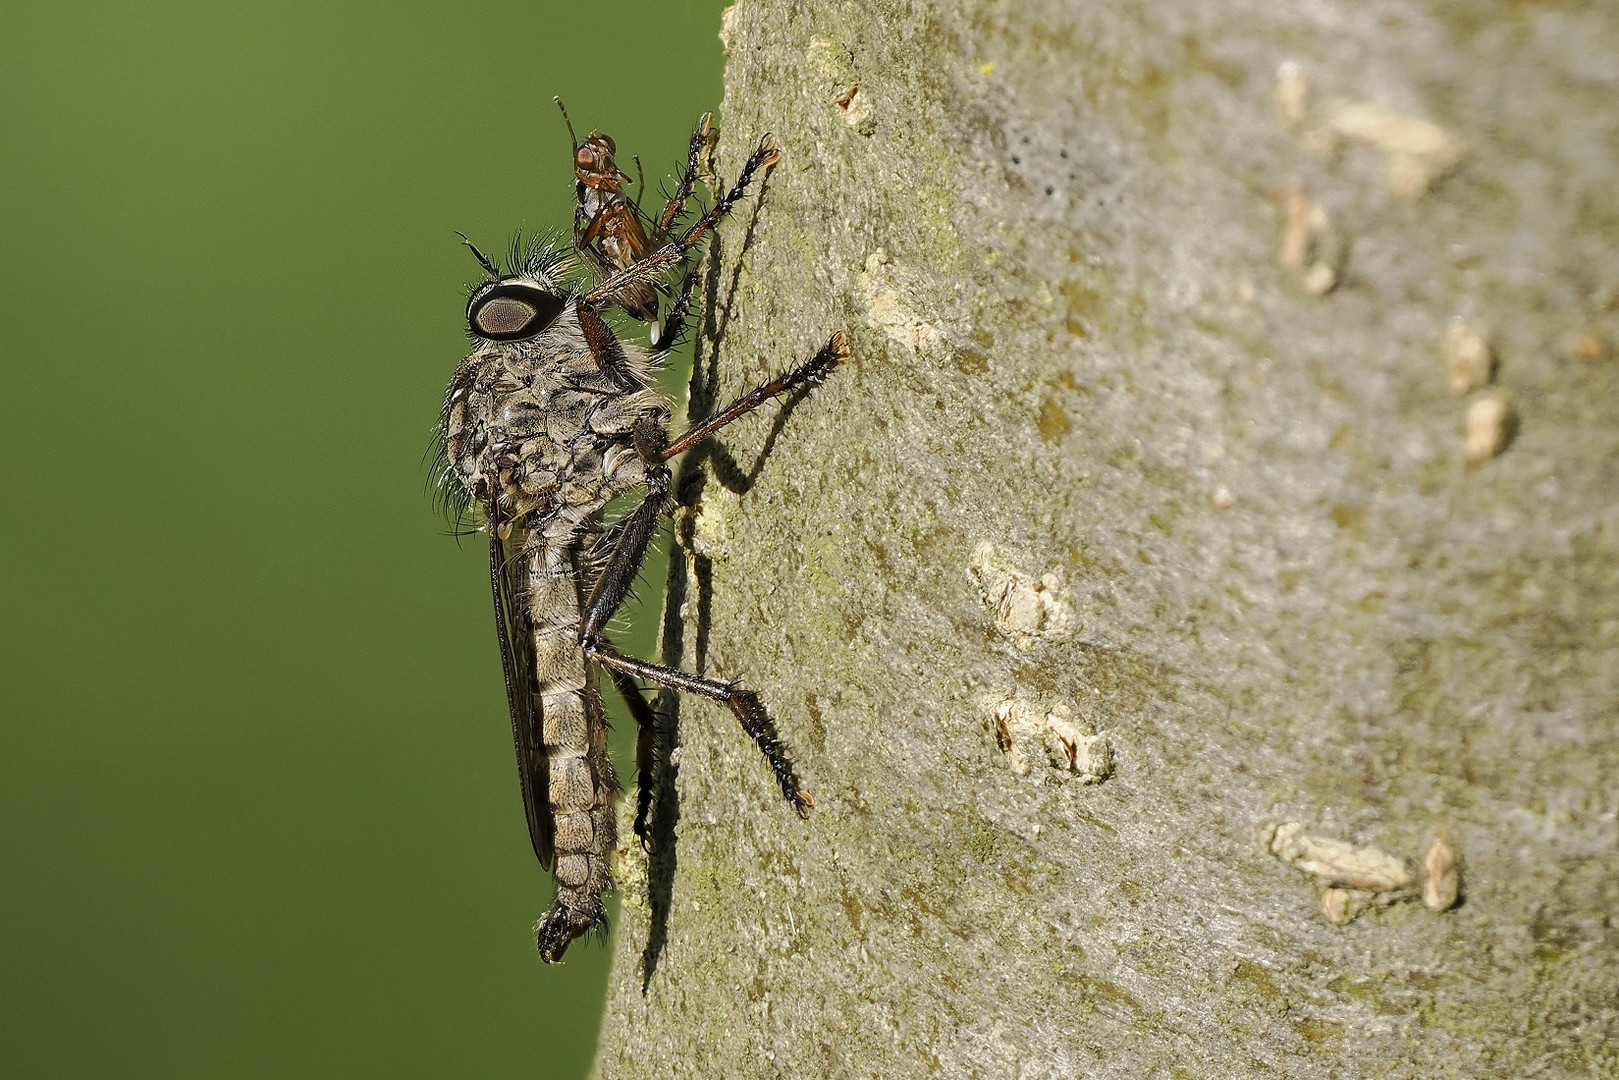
(519, 305)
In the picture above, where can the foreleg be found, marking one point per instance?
(688, 179)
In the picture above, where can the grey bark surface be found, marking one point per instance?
(1240, 535)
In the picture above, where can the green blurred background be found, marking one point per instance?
(258, 808)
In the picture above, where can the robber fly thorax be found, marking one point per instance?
(549, 419)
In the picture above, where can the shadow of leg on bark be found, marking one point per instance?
(688, 568)
(727, 470)
(684, 565)
(664, 817)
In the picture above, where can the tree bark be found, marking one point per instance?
(1147, 433)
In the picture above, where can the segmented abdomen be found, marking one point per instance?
(581, 785)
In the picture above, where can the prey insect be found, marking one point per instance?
(548, 420)
(610, 231)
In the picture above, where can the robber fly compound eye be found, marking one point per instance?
(512, 310)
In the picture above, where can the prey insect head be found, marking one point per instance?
(513, 309)
(593, 162)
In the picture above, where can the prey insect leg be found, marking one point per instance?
(750, 713)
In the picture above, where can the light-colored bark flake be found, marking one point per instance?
(1292, 91)
(1310, 246)
(834, 63)
(1468, 355)
(727, 23)
(1029, 733)
(890, 312)
(1487, 427)
(1338, 863)
(1443, 881)
(1350, 878)
(1416, 152)
(1023, 607)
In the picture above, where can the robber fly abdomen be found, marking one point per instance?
(549, 420)
(581, 786)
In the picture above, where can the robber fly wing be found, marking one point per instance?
(517, 658)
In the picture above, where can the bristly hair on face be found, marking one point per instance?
(544, 258)
(451, 499)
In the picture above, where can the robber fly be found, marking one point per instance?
(609, 230)
(549, 419)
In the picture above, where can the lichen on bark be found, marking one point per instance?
(1051, 231)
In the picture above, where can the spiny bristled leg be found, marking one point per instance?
(636, 531)
(665, 335)
(833, 353)
(674, 322)
(744, 703)
(611, 588)
(635, 535)
(605, 347)
(634, 538)
(688, 179)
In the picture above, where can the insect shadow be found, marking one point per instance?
(688, 569)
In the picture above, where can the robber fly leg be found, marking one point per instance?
(750, 713)
(666, 333)
(634, 537)
(674, 323)
(832, 353)
(614, 584)
(652, 444)
(649, 269)
(605, 348)
(764, 156)
(688, 179)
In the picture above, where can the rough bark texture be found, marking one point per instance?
(1229, 524)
